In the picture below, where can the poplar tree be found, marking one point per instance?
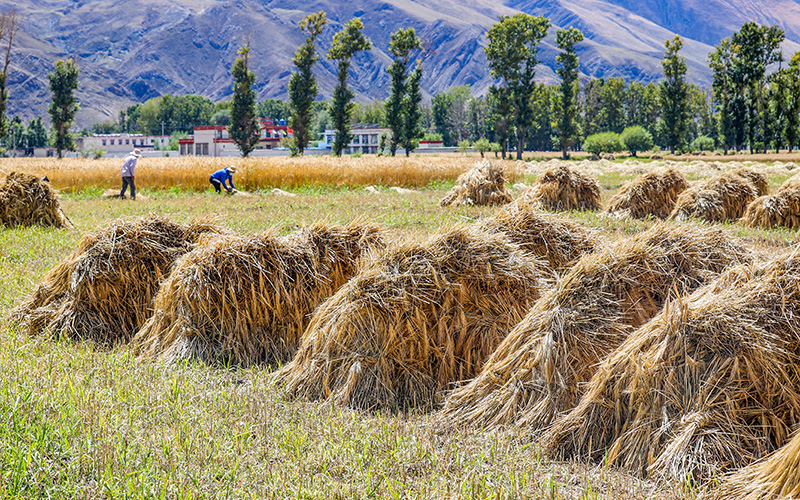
(63, 84)
(401, 44)
(411, 112)
(674, 95)
(565, 108)
(244, 126)
(345, 44)
(302, 84)
(9, 23)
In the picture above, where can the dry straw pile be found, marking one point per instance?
(779, 209)
(562, 188)
(415, 320)
(27, 200)
(104, 289)
(485, 184)
(720, 198)
(547, 236)
(246, 300)
(710, 384)
(650, 195)
(538, 370)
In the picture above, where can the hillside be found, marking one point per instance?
(131, 51)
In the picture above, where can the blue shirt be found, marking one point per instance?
(222, 176)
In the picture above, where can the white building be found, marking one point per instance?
(121, 144)
(216, 141)
(366, 139)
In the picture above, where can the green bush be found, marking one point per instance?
(482, 146)
(463, 146)
(702, 143)
(604, 142)
(432, 136)
(636, 139)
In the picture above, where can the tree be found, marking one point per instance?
(636, 138)
(412, 129)
(482, 146)
(302, 84)
(603, 142)
(36, 133)
(244, 126)
(275, 109)
(611, 117)
(63, 84)
(789, 79)
(565, 105)
(723, 90)
(9, 23)
(674, 95)
(401, 45)
(345, 44)
(512, 54)
(501, 108)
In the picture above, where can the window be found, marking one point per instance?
(127, 141)
(364, 139)
(373, 139)
(112, 142)
(104, 142)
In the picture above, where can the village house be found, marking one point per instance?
(214, 140)
(366, 139)
(121, 144)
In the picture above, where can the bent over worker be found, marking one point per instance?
(220, 177)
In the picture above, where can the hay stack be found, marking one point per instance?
(547, 236)
(710, 384)
(538, 370)
(27, 200)
(720, 198)
(245, 300)
(652, 194)
(485, 184)
(778, 476)
(414, 321)
(104, 289)
(779, 209)
(561, 188)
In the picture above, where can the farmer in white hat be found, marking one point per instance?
(129, 172)
(220, 177)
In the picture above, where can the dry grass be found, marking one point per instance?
(779, 209)
(539, 369)
(562, 188)
(26, 200)
(649, 195)
(417, 319)
(245, 300)
(104, 289)
(720, 198)
(485, 184)
(709, 385)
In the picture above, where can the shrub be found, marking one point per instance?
(702, 143)
(495, 148)
(636, 139)
(482, 146)
(463, 146)
(604, 142)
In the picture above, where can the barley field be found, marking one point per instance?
(79, 420)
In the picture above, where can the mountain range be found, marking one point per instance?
(131, 51)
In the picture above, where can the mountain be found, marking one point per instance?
(131, 51)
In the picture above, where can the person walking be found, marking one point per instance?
(220, 177)
(128, 173)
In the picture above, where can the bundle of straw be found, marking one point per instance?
(779, 209)
(245, 300)
(485, 184)
(561, 188)
(27, 200)
(547, 236)
(650, 195)
(104, 289)
(710, 384)
(720, 198)
(415, 320)
(538, 370)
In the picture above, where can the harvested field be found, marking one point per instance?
(537, 372)
(649, 195)
(245, 300)
(27, 200)
(414, 321)
(720, 198)
(779, 209)
(485, 184)
(104, 289)
(709, 385)
(561, 188)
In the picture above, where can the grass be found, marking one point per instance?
(82, 422)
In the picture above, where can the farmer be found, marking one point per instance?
(220, 177)
(128, 173)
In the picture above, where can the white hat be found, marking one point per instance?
(232, 169)
(136, 153)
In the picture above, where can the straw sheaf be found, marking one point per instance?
(26, 200)
(245, 300)
(720, 198)
(414, 321)
(538, 370)
(547, 236)
(649, 195)
(779, 209)
(561, 188)
(485, 184)
(709, 385)
(104, 289)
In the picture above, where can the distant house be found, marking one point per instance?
(366, 139)
(214, 140)
(121, 144)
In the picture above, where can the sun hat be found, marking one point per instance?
(232, 169)
(136, 152)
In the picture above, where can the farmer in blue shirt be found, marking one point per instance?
(219, 178)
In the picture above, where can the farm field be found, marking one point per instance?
(83, 421)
